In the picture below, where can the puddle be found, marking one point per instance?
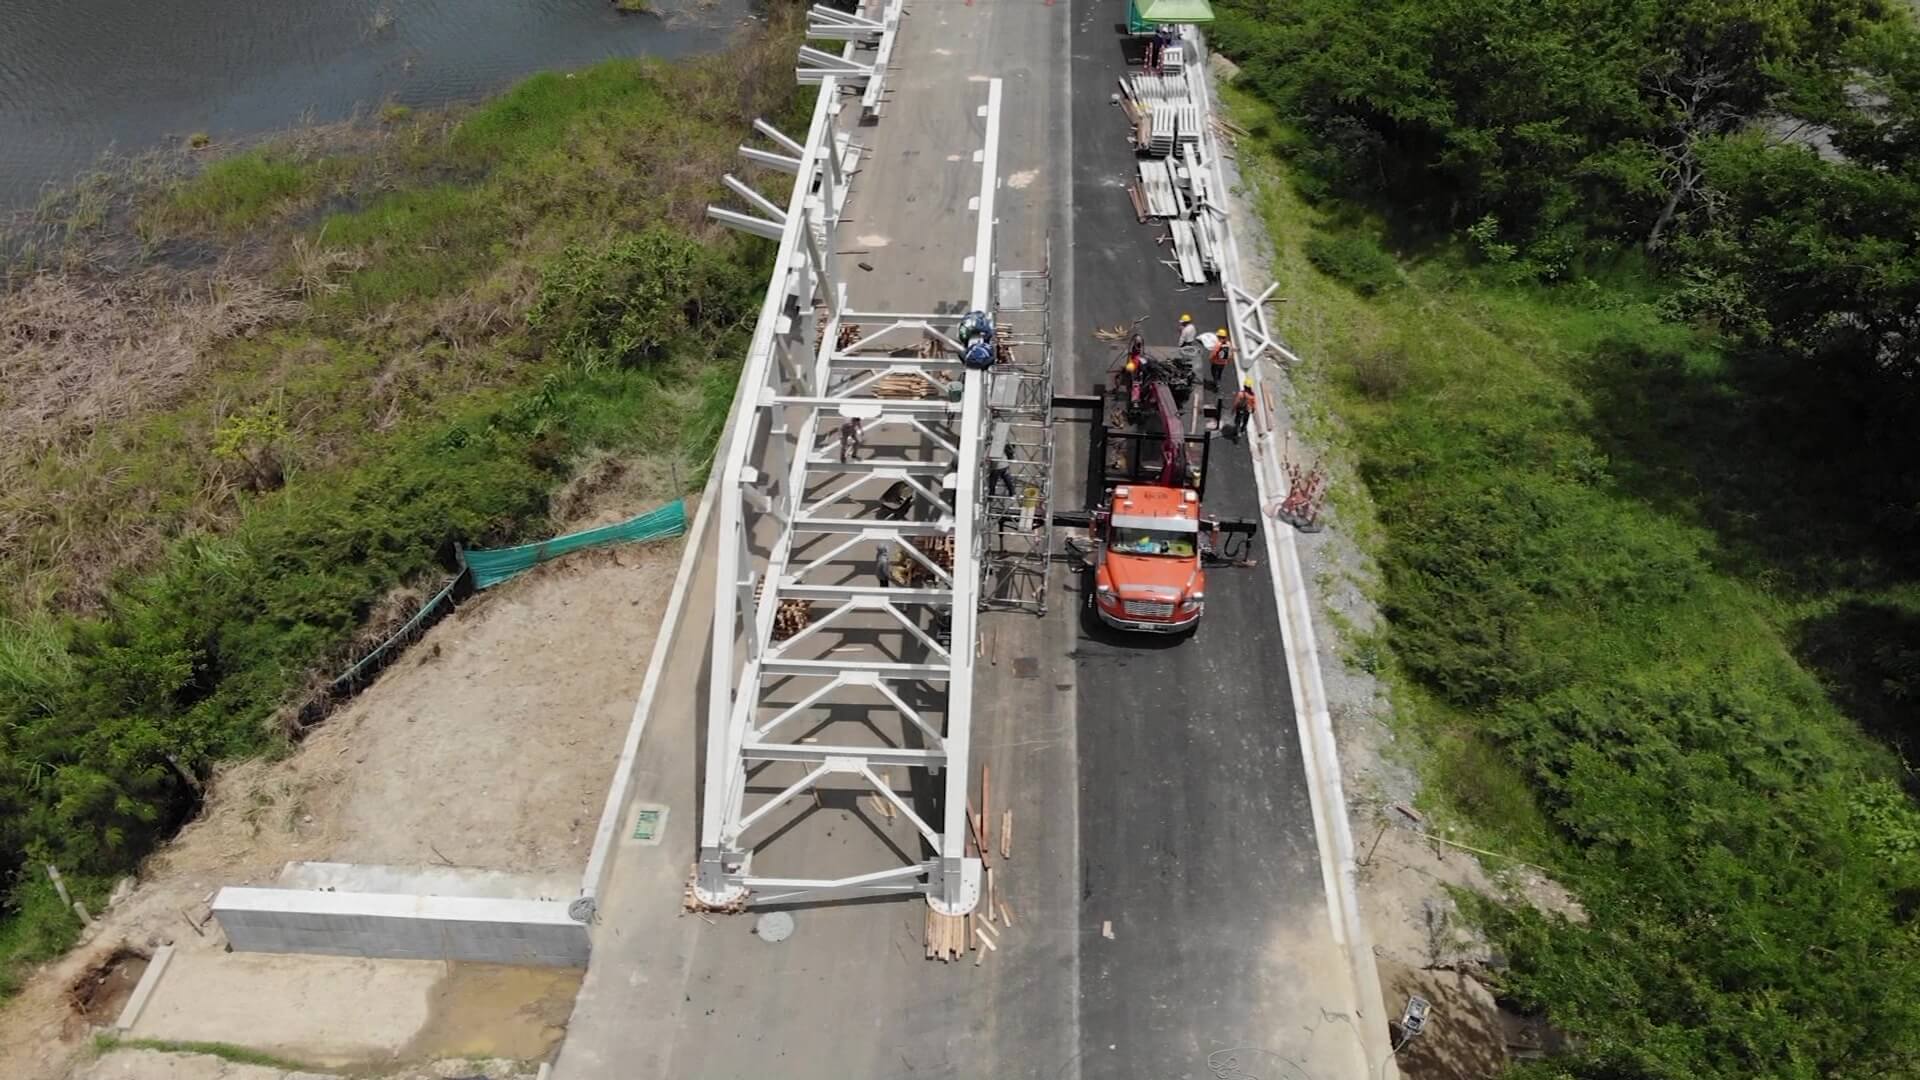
(486, 1010)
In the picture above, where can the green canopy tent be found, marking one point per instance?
(1143, 15)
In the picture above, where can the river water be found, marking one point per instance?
(82, 78)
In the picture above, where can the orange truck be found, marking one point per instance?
(1150, 541)
(1147, 572)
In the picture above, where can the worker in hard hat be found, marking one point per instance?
(1219, 356)
(1190, 349)
(1242, 408)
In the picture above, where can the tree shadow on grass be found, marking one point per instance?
(1803, 475)
(1868, 655)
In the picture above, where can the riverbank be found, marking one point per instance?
(247, 406)
(1610, 640)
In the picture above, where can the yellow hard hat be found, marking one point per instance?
(1186, 318)
(1222, 332)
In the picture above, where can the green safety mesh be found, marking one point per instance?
(490, 568)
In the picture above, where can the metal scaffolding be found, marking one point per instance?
(847, 571)
(1019, 486)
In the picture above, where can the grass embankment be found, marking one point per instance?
(446, 324)
(1615, 564)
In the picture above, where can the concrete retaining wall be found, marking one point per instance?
(492, 931)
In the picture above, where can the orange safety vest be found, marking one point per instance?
(1222, 352)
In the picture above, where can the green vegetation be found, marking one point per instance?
(1637, 477)
(242, 189)
(239, 1055)
(1354, 259)
(507, 296)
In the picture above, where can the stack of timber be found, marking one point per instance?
(937, 549)
(848, 337)
(1173, 60)
(946, 937)
(791, 617)
(904, 384)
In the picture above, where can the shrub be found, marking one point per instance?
(1381, 374)
(621, 304)
(1353, 259)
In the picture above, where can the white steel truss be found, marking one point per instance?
(861, 459)
(832, 24)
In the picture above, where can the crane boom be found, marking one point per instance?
(1173, 437)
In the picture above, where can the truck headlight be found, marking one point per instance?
(1194, 601)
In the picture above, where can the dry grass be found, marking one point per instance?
(78, 352)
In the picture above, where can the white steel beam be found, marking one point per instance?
(772, 230)
(872, 755)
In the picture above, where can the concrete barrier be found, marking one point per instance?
(143, 990)
(391, 926)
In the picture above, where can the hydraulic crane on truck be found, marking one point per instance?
(1148, 540)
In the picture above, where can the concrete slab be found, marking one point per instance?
(324, 1010)
(420, 880)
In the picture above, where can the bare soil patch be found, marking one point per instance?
(102, 990)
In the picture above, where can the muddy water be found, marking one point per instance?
(79, 78)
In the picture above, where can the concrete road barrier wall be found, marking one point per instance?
(399, 927)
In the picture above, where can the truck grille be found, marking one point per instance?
(1148, 609)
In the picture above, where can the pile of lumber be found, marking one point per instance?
(904, 384)
(848, 337)
(946, 935)
(949, 937)
(791, 617)
(938, 549)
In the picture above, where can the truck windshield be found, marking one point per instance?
(1151, 542)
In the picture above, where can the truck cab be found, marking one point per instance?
(1147, 573)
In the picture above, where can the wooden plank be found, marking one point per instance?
(1006, 834)
(986, 799)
